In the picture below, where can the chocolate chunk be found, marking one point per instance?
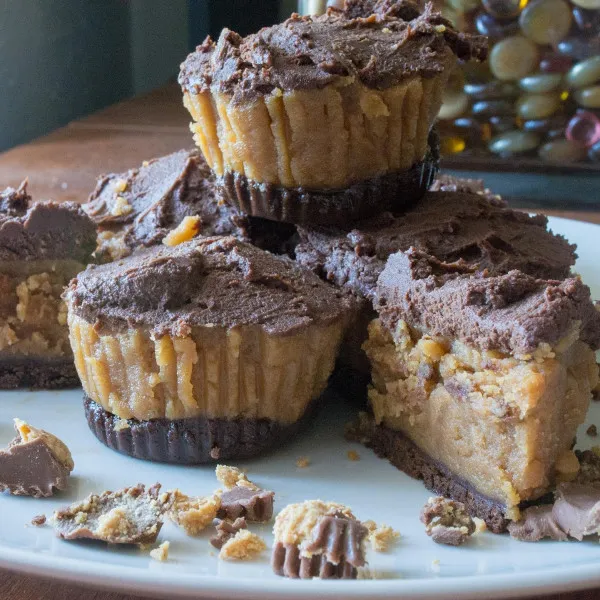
(536, 523)
(35, 463)
(131, 516)
(226, 529)
(447, 521)
(592, 431)
(577, 509)
(334, 551)
(255, 505)
(43, 230)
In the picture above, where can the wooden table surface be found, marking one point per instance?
(63, 166)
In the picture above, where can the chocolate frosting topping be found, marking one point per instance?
(208, 281)
(380, 50)
(477, 229)
(158, 195)
(44, 230)
(511, 313)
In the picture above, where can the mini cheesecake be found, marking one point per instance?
(212, 349)
(324, 119)
(42, 246)
(480, 381)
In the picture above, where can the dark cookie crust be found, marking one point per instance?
(406, 456)
(192, 441)
(38, 374)
(339, 207)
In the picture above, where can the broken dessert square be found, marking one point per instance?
(446, 521)
(130, 516)
(480, 382)
(318, 539)
(36, 463)
(42, 247)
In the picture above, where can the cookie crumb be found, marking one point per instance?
(215, 453)
(232, 477)
(381, 536)
(303, 462)
(38, 520)
(193, 514)
(435, 565)
(592, 431)
(121, 207)
(353, 455)
(161, 554)
(480, 525)
(244, 545)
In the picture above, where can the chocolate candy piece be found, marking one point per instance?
(546, 21)
(502, 9)
(537, 106)
(255, 505)
(488, 25)
(585, 73)
(579, 48)
(584, 128)
(594, 152)
(536, 523)
(555, 63)
(35, 463)
(488, 108)
(226, 530)
(562, 151)
(491, 90)
(514, 142)
(588, 97)
(453, 106)
(554, 123)
(577, 509)
(502, 124)
(447, 521)
(588, 21)
(513, 58)
(541, 83)
(130, 516)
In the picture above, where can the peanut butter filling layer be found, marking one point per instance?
(33, 317)
(504, 424)
(216, 372)
(318, 138)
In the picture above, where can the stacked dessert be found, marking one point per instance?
(195, 349)
(318, 144)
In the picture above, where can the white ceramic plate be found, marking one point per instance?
(489, 566)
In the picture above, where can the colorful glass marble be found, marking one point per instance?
(588, 97)
(546, 21)
(503, 9)
(514, 142)
(513, 58)
(541, 83)
(493, 28)
(562, 151)
(594, 153)
(537, 106)
(584, 128)
(584, 73)
(555, 63)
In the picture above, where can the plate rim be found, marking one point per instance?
(156, 583)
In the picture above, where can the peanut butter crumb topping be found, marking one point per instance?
(184, 232)
(244, 545)
(161, 554)
(58, 448)
(381, 537)
(193, 514)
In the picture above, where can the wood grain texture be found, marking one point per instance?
(64, 166)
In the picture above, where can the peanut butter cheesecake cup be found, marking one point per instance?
(212, 349)
(42, 247)
(480, 381)
(324, 119)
